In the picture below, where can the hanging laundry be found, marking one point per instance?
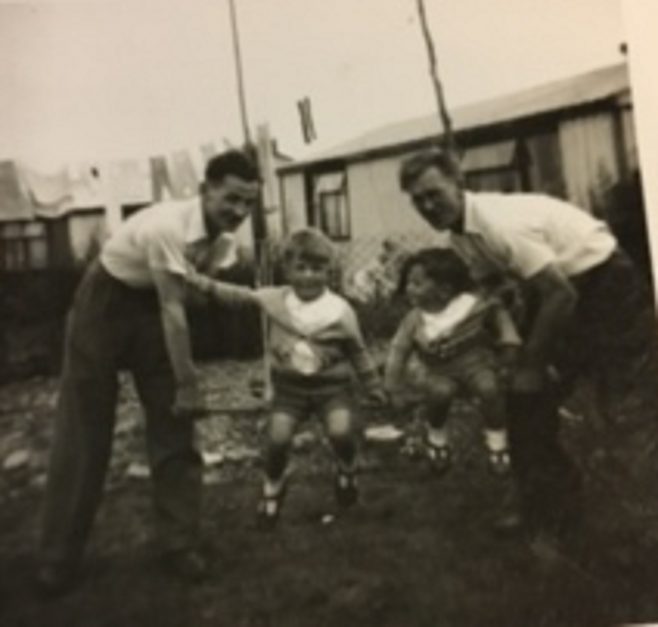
(306, 119)
(208, 151)
(198, 162)
(14, 201)
(160, 180)
(86, 185)
(129, 181)
(184, 182)
(50, 192)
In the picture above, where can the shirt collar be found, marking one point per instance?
(316, 315)
(196, 225)
(471, 224)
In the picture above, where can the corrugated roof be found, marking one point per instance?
(578, 90)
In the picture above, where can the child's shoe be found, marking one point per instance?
(346, 489)
(499, 462)
(269, 509)
(439, 457)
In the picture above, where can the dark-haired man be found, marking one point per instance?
(128, 313)
(586, 313)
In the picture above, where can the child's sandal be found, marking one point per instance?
(438, 456)
(269, 509)
(499, 462)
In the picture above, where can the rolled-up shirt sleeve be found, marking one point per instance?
(165, 250)
(527, 256)
(521, 252)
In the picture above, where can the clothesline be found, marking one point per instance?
(27, 191)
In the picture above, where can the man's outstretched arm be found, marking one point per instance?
(171, 296)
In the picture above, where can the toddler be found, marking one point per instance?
(455, 337)
(315, 347)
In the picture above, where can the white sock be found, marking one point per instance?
(437, 436)
(496, 439)
(271, 487)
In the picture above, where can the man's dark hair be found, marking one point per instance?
(413, 167)
(231, 162)
(442, 265)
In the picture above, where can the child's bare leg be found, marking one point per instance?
(440, 393)
(339, 425)
(486, 387)
(280, 429)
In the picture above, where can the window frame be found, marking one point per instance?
(330, 188)
(17, 245)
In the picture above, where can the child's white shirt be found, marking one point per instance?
(310, 317)
(440, 324)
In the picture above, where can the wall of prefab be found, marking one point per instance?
(41, 261)
(37, 288)
(585, 154)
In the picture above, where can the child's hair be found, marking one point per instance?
(309, 244)
(442, 265)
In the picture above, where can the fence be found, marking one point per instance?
(34, 304)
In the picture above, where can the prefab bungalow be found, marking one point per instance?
(572, 138)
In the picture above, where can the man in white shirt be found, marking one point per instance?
(586, 313)
(129, 313)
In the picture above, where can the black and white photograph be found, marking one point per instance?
(328, 313)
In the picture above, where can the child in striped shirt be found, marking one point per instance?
(315, 346)
(455, 337)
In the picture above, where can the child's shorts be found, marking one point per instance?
(302, 397)
(466, 370)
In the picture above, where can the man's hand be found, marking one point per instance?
(189, 403)
(557, 301)
(171, 296)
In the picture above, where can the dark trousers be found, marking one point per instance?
(549, 483)
(111, 327)
(612, 340)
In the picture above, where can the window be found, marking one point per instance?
(332, 213)
(23, 246)
(494, 167)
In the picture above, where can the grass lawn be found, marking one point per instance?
(417, 551)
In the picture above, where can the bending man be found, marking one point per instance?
(585, 313)
(129, 313)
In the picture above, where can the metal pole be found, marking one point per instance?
(258, 220)
(239, 73)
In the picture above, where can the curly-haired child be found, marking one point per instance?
(455, 338)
